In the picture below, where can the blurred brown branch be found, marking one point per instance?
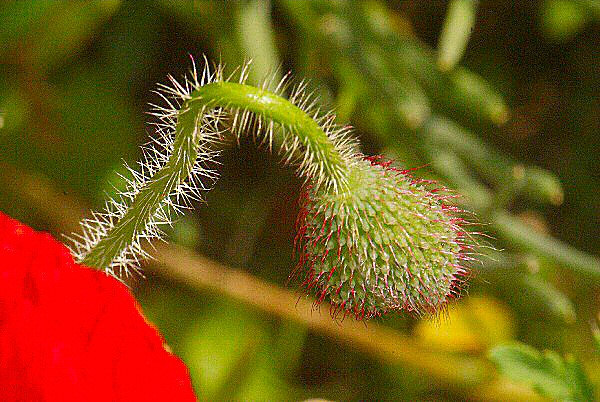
(471, 374)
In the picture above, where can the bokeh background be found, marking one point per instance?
(496, 99)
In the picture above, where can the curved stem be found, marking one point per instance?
(323, 161)
(274, 108)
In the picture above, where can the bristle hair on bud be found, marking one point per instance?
(388, 243)
(371, 238)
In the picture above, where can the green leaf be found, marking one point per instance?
(46, 33)
(522, 236)
(563, 19)
(548, 373)
(220, 350)
(257, 39)
(547, 297)
(457, 29)
(596, 335)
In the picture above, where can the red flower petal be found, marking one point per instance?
(71, 333)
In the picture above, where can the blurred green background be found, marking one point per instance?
(497, 99)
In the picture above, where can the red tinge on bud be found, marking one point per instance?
(385, 243)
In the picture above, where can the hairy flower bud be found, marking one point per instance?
(371, 237)
(385, 243)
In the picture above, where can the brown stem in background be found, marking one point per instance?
(469, 374)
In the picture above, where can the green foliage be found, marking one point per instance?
(457, 28)
(512, 127)
(596, 334)
(562, 19)
(548, 373)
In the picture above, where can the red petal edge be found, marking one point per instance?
(72, 333)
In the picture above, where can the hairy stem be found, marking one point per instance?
(274, 108)
(323, 162)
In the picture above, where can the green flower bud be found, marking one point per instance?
(387, 242)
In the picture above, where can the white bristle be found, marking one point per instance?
(211, 127)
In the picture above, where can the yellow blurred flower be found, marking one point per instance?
(471, 325)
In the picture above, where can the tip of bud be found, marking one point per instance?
(388, 242)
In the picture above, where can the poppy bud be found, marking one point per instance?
(387, 242)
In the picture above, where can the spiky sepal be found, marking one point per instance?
(386, 243)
